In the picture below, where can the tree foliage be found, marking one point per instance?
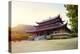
(72, 13)
(17, 36)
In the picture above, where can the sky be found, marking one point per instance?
(28, 13)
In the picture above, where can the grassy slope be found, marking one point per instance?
(29, 46)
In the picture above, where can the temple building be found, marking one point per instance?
(50, 29)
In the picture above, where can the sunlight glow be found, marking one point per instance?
(30, 12)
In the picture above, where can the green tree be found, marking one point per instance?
(72, 13)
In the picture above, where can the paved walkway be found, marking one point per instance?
(44, 45)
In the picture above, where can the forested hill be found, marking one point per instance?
(19, 32)
(23, 28)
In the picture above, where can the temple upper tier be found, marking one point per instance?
(53, 23)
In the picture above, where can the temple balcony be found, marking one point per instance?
(60, 34)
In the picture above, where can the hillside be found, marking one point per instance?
(23, 28)
(19, 32)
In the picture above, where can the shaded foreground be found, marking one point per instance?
(44, 45)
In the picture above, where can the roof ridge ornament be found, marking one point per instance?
(59, 15)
